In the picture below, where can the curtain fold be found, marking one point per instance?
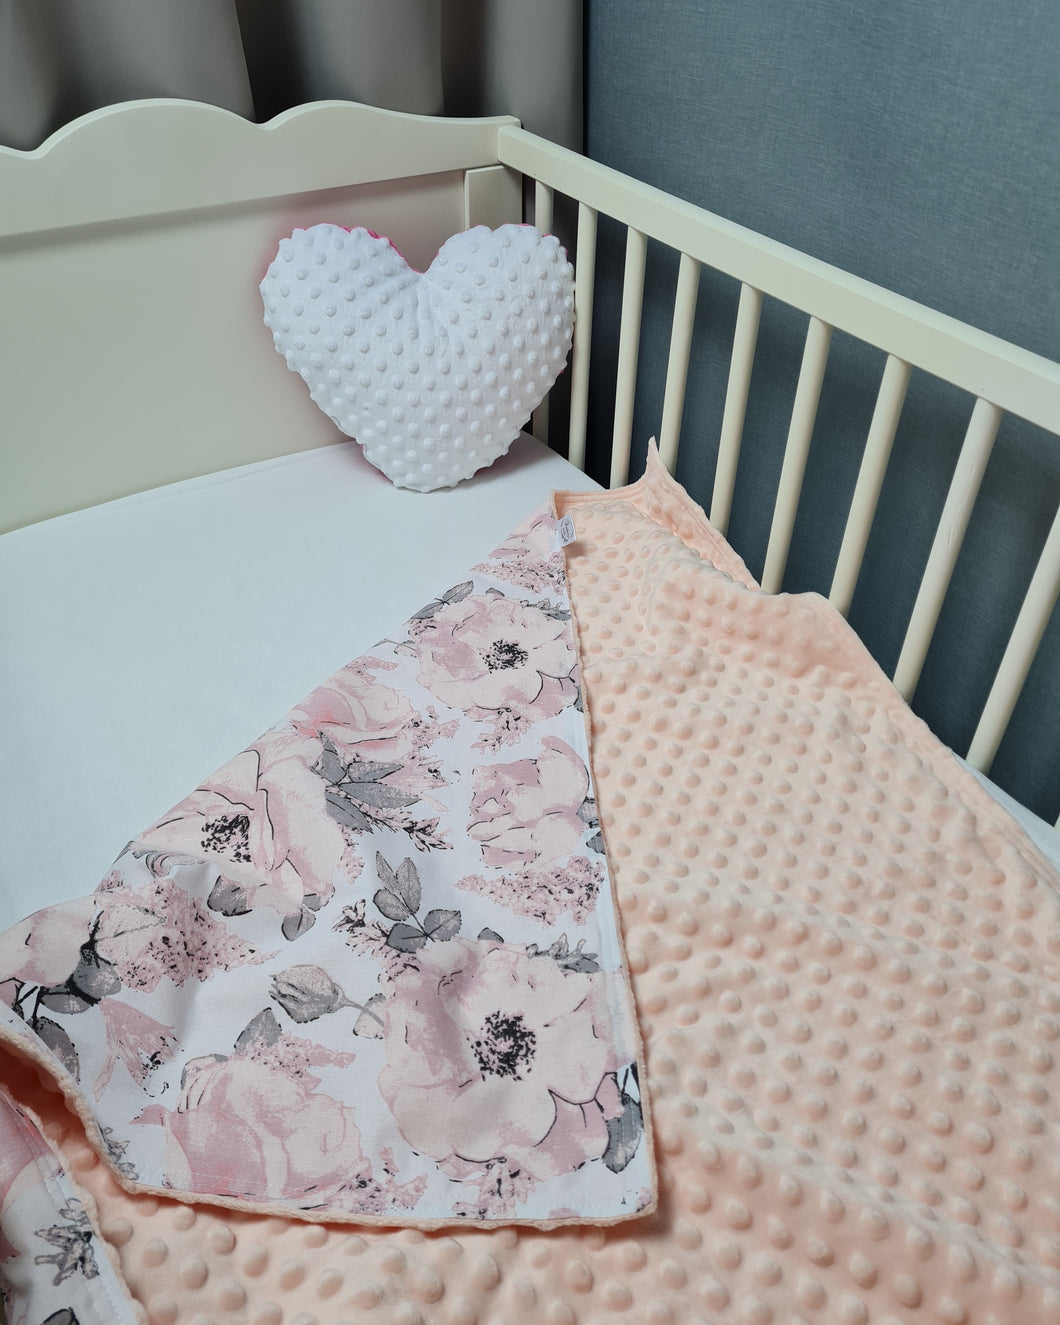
(359, 50)
(61, 58)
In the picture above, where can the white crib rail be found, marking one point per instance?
(1023, 642)
(877, 452)
(999, 376)
(1015, 380)
(677, 368)
(796, 452)
(745, 339)
(584, 289)
(964, 488)
(628, 352)
(543, 221)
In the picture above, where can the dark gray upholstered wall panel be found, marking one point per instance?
(918, 146)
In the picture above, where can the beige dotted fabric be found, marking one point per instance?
(845, 959)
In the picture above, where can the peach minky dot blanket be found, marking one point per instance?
(845, 962)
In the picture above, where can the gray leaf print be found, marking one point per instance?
(59, 1043)
(73, 1239)
(67, 1001)
(295, 925)
(228, 898)
(391, 905)
(378, 795)
(346, 813)
(623, 1135)
(263, 1029)
(369, 1024)
(94, 976)
(441, 925)
(407, 884)
(307, 992)
(406, 939)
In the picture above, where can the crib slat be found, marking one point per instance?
(628, 353)
(803, 415)
(744, 340)
(964, 487)
(1019, 654)
(885, 418)
(677, 368)
(543, 221)
(584, 280)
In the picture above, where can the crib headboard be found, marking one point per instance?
(132, 243)
(131, 247)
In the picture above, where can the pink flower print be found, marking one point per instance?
(492, 1054)
(580, 1133)
(242, 1129)
(535, 537)
(384, 1194)
(351, 709)
(372, 722)
(133, 1038)
(263, 1042)
(545, 893)
(490, 652)
(527, 558)
(160, 930)
(526, 813)
(264, 822)
(45, 948)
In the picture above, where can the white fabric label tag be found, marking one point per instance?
(564, 533)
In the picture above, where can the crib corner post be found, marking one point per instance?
(493, 196)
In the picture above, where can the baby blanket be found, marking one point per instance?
(370, 969)
(844, 957)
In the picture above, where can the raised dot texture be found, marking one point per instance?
(154, 1253)
(232, 1297)
(194, 1272)
(163, 1309)
(467, 294)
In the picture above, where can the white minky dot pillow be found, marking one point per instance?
(433, 373)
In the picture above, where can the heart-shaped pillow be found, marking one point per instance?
(433, 373)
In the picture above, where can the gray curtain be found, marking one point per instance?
(61, 58)
(917, 145)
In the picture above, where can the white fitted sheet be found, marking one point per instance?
(147, 640)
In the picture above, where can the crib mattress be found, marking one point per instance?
(764, 1206)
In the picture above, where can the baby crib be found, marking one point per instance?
(149, 436)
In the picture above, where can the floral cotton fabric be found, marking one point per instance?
(370, 970)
